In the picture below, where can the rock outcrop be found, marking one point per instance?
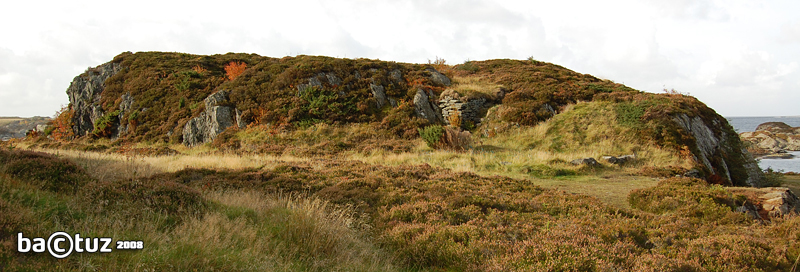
(213, 121)
(717, 148)
(768, 202)
(84, 95)
(772, 137)
(425, 108)
(438, 78)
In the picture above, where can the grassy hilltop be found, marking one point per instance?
(328, 165)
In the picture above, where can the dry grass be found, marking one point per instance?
(474, 86)
(111, 166)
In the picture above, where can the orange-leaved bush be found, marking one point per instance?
(61, 125)
(235, 68)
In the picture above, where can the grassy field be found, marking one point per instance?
(244, 213)
(793, 182)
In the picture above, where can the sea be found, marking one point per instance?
(746, 124)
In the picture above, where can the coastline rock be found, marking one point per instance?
(717, 148)
(771, 138)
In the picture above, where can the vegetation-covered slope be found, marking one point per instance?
(249, 103)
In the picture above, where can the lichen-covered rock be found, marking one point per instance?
(379, 93)
(84, 95)
(213, 121)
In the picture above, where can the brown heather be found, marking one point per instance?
(329, 214)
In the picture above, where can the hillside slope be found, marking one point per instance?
(191, 99)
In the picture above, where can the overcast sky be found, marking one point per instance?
(741, 58)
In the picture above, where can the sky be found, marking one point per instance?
(741, 58)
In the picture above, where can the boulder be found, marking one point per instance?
(621, 160)
(591, 162)
(438, 78)
(779, 201)
(425, 108)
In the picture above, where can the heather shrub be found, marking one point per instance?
(135, 197)
(688, 197)
(43, 170)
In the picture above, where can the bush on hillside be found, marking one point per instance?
(43, 170)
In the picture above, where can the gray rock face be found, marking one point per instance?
(124, 111)
(213, 121)
(716, 151)
(438, 78)
(425, 108)
(84, 95)
(379, 93)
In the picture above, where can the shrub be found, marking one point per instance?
(772, 178)
(61, 126)
(103, 126)
(432, 135)
(44, 170)
(234, 69)
(137, 196)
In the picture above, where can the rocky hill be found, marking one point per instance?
(193, 99)
(772, 138)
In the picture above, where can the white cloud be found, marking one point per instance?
(728, 53)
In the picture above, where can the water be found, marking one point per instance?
(746, 124)
(782, 165)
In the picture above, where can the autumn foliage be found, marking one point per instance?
(62, 125)
(235, 68)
